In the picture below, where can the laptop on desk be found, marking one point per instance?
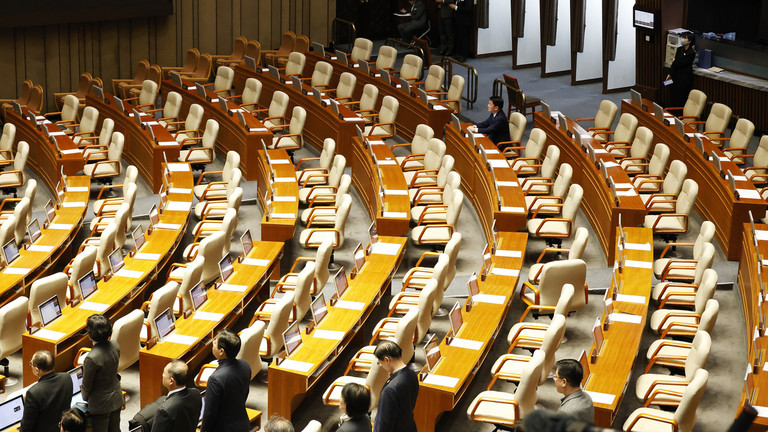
(225, 268)
(76, 375)
(33, 229)
(319, 49)
(98, 92)
(274, 72)
(116, 261)
(341, 56)
(176, 78)
(165, 324)
(50, 310)
(199, 296)
(87, 284)
(10, 251)
(341, 283)
(250, 62)
(319, 309)
(11, 412)
(432, 352)
(292, 338)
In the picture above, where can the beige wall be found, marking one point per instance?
(56, 55)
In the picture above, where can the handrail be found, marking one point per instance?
(470, 81)
(498, 83)
(351, 31)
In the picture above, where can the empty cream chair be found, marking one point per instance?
(654, 168)
(321, 76)
(683, 324)
(738, 141)
(6, 232)
(684, 417)
(275, 113)
(345, 89)
(436, 209)
(576, 251)
(13, 324)
(30, 191)
(385, 124)
(202, 149)
(314, 237)
(207, 227)
(432, 192)
(273, 342)
(542, 183)
(453, 200)
(211, 248)
(537, 139)
(323, 207)
(418, 147)
(717, 121)
(208, 189)
(170, 110)
(323, 161)
(361, 50)
(366, 106)
(293, 140)
(99, 152)
(622, 136)
(92, 142)
(104, 244)
(250, 339)
(386, 58)
(638, 152)
(665, 390)
(13, 179)
(758, 172)
(158, 302)
(404, 332)
(190, 277)
(295, 64)
(43, 289)
(7, 139)
(509, 367)
(684, 295)
(190, 127)
(81, 264)
(554, 229)
(551, 161)
(102, 220)
(431, 162)
(411, 68)
(683, 268)
(434, 80)
(549, 203)
(694, 106)
(452, 97)
(530, 335)
(650, 180)
(103, 205)
(106, 170)
(505, 409)
(147, 97)
(217, 209)
(419, 278)
(670, 188)
(222, 85)
(553, 277)
(375, 380)
(387, 327)
(440, 233)
(21, 213)
(300, 294)
(322, 260)
(68, 114)
(249, 100)
(669, 225)
(318, 182)
(603, 120)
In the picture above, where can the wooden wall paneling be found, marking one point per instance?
(109, 58)
(127, 66)
(319, 19)
(274, 21)
(52, 61)
(185, 24)
(62, 51)
(19, 49)
(86, 48)
(140, 40)
(206, 26)
(235, 18)
(168, 52)
(263, 24)
(224, 30)
(249, 20)
(9, 86)
(286, 20)
(34, 57)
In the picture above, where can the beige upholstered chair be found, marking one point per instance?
(206, 188)
(386, 58)
(682, 420)
(432, 192)
(191, 277)
(295, 64)
(322, 260)
(207, 227)
(670, 188)
(440, 233)
(717, 121)
(694, 106)
(418, 146)
(345, 88)
(512, 149)
(758, 172)
(554, 229)
(92, 141)
(249, 100)
(404, 301)
(603, 120)
(13, 179)
(530, 335)
(544, 171)
(146, 99)
(191, 124)
(317, 182)
(683, 268)
(273, 342)
(452, 97)
(431, 161)
(738, 141)
(385, 125)
(170, 110)
(222, 85)
(43, 289)
(638, 152)
(294, 139)
(160, 300)
(212, 249)
(126, 332)
(361, 50)
(323, 161)
(99, 223)
(654, 171)
(320, 213)
(375, 380)
(434, 80)
(7, 139)
(111, 167)
(622, 136)
(68, 114)
(104, 244)
(666, 318)
(321, 76)
(669, 225)
(668, 292)
(576, 251)
(366, 106)
(201, 149)
(548, 203)
(654, 168)
(275, 114)
(81, 264)
(250, 339)
(404, 332)
(216, 209)
(532, 151)
(103, 206)
(22, 212)
(387, 327)
(301, 294)
(314, 237)
(13, 324)
(436, 211)
(509, 367)
(30, 191)
(554, 275)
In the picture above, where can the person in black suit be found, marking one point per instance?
(227, 388)
(495, 126)
(72, 420)
(417, 23)
(355, 402)
(398, 397)
(181, 409)
(463, 27)
(681, 71)
(445, 10)
(278, 424)
(101, 384)
(48, 398)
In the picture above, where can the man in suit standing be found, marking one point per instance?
(101, 383)
(48, 398)
(181, 409)
(463, 27)
(495, 126)
(227, 388)
(398, 397)
(445, 10)
(417, 23)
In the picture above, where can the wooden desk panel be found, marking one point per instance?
(599, 203)
(288, 387)
(285, 202)
(139, 149)
(481, 324)
(716, 201)
(412, 112)
(120, 295)
(611, 373)
(496, 197)
(229, 304)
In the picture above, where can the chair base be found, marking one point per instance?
(669, 238)
(554, 242)
(11, 381)
(498, 427)
(198, 167)
(10, 191)
(441, 312)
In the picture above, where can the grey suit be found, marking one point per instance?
(101, 386)
(179, 412)
(45, 401)
(578, 404)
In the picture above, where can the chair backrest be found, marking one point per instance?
(302, 296)
(425, 307)
(445, 169)
(287, 42)
(253, 50)
(361, 50)
(742, 134)
(6, 230)
(211, 249)
(127, 333)
(302, 44)
(341, 217)
(579, 243)
(89, 119)
(141, 72)
(22, 152)
(452, 250)
(525, 394)
(455, 91)
(388, 111)
(115, 149)
(22, 211)
(322, 74)
(606, 114)
(228, 226)
(536, 141)
(553, 336)
(192, 275)
(386, 58)
(278, 323)
(405, 330)
(687, 197)
(251, 92)
(706, 290)
(343, 189)
(517, 123)
(203, 67)
(8, 137)
(106, 246)
(424, 133)
(572, 201)
(24, 93)
(45, 288)
(279, 105)
(695, 104)
(107, 129)
(172, 106)
(250, 342)
(337, 170)
(454, 208)
(295, 65)
(625, 130)
(706, 234)
(148, 93)
(551, 162)
(13, 324)
(411, 68)
(376, 379)
(211, 133)
(452, 184)
(685, 414)
(155, 74)
(190, 60)
(369, 97)
(433, 157)
(238, 50)
(563, 180)
(642, 143)
(298, 119)
(30, 192)
(346, 87)
(322, 262)
(440, 274)
(673, 182)
(161, 300)
(717, 121)
(709, 315)
(194, 117)
(225, 76)
(70, 108)
(82, 263)
(234, 182)
(328, 153)
(659, 160)
(761, 154)
(566, 296)
(555, 274)
(704, 262)
(435, 77)
(232, 162)
(131, 174)
(698, 354)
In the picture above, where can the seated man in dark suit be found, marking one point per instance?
(180, 411)
(48, 398)
(227, 388)
(417, 23)
(495, 126)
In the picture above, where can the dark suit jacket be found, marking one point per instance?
(396, 403)
(444, 9)
(419, 13)
(225, 398)
(495, 127)
(179, 412)
(101, 385)
(356, 424)
(45, 401)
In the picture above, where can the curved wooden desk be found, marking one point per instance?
(279, 221)
(192, 338)
(442, 389)
(139, 149)
(715, 202)
(493, 188)
(125, 291)
(599, 203)
(412, 112)
(294, 377)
